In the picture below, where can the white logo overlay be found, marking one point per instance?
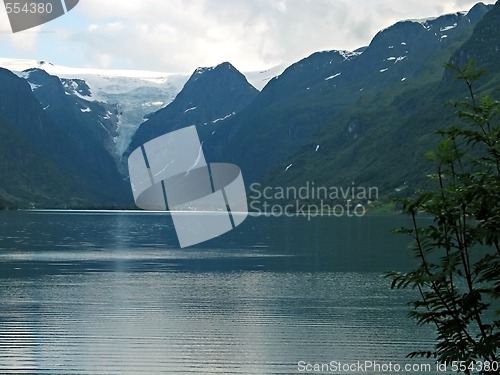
(170, 173)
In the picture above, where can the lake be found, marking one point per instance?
(111, 293)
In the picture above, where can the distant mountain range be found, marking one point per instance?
(134, 94)
(335, 118)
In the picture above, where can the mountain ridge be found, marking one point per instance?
(136, 93)
(334, 117)
(325, 95)
(211, 95)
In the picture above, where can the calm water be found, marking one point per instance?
(111, 293)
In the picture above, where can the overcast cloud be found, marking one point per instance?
(180, 35)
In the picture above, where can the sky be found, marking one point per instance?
(181, 35)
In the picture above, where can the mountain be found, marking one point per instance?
(211, 95)
(29, 179)
(335, 118)
(77, 126)
(74, 114)
(92, 126)
(133, 93)
(28, 176)
(483, 46)
(325, 116)
(380, 139)
(60, 135)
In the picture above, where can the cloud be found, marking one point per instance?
(180, 35)
(21, 42)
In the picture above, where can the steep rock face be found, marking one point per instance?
(413, 49)
(19, 107)
(60, 136)
(130, 95)
(381, 139)
(127, 99)
(484, 45)
(29, 177)
(91, 127)
(211, 95)
(91, 124)
(327, 92)
(306, 73)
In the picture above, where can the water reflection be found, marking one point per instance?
(111, 294)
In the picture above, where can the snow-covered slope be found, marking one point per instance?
(259, 79)
(136, 93)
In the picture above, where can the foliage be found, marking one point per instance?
(458, 272)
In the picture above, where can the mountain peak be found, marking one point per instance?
(204, 69)
(211, 95)
(221, 69)
(478, 11)
(482, 46)
(435, 24)
(225, 66)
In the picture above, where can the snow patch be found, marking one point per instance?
(424, 22)
(223, 118)
(85, 110)
(332, 77)
(84, 97)
(203, 70)
(348, 54)
(153, 104)
(260, 79)
(134, 93)
(448, 27)
(33, 86)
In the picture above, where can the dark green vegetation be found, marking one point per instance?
(458, 273)
(372, 125)
(30, 179)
